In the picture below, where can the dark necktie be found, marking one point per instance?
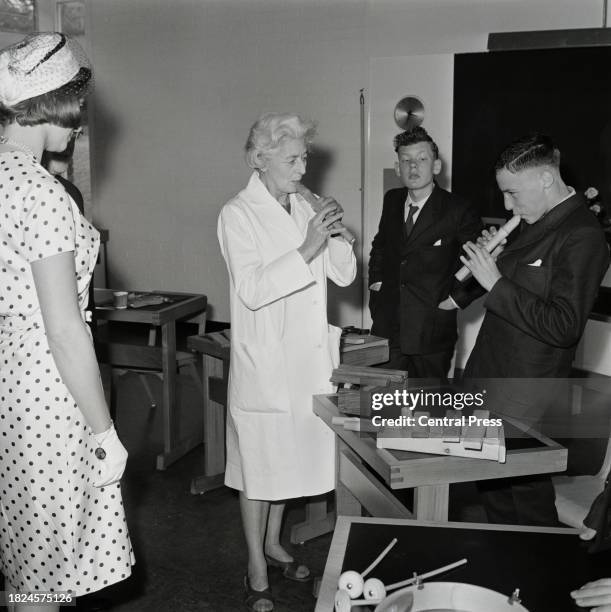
(409, 222)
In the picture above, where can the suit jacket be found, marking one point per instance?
(536, 314)
(418, 272)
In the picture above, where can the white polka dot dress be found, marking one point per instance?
(57, 531)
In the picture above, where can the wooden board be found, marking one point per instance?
(476, 441)
(363, 375)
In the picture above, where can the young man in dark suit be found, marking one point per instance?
(540, 293)
(413, 259)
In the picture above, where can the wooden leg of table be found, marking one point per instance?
(359, 488)
(431, 502)
(346, 504)
(214, 430)
(107, 385)
(113, 392)
(168, 361)
(172, 450)
(318, 521)
(214, 420)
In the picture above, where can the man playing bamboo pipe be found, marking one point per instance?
(540, 292)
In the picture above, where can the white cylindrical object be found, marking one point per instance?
(500, 235)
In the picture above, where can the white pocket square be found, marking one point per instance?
(438, 243)
(537, 263)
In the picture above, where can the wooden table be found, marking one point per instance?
(367, 475)
(544, 563)
(164, 316)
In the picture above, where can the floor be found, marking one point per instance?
(189, 548)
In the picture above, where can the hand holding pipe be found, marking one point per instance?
(314, 201)
(500, 235)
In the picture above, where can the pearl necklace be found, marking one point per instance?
(18, 145)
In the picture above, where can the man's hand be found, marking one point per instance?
(481, 264)
(486, 237)
(597, 593)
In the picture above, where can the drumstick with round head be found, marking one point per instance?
(376, 595)
(314, 201)
(343, 603)
(375, 591)
(352, 582)
(419, 577)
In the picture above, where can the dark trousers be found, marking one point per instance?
(526, 500)
(433, 366)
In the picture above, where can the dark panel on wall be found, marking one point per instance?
(499, 96)
(549, 39)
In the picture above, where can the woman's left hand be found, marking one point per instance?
(338, 227)
(481, 264)
(111, 457)
(597, 593)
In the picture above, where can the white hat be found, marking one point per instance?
(41, 63)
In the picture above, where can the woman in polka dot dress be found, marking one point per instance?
(62, 524)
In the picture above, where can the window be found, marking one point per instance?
(71, 17)
(17, 15)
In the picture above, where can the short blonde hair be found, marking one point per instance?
(270, 129)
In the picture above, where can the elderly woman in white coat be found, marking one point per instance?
(279, 254)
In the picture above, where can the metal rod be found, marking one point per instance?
(362, 188)
(605, 13)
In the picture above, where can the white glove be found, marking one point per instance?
(111, 457)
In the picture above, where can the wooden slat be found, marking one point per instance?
(372, 495)
(204, 345)
(219, 338)
(363, 355)
(119, 354)
(217, 390)
(361, 375)
(214, 416)
(473, 435)
(318, 521)
(333, 566)
(135, 356)
(431, 502)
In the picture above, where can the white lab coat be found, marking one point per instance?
(282, 349)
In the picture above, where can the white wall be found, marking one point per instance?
(178, 84)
